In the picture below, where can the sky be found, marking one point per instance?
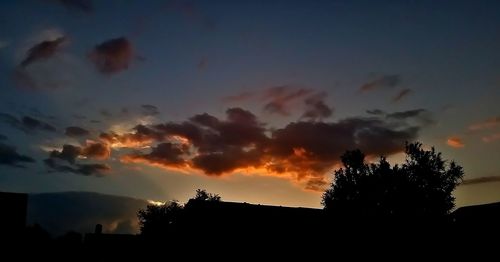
(252, 100)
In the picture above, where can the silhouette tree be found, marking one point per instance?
(158, 220)
(202, 195)
(421, 187)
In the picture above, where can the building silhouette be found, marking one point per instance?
(14, 209)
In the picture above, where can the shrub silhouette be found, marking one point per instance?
(420, 188)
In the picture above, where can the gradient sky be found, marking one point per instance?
(287, 86)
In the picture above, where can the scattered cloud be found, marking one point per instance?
(112, 56)
(282, 97)
(150, 110)
(382, 82)
(487, 124)
(316, 107)
(402, 94)
(422, 116)
(481, 180)
(282, 100)
(26, 124)
(85, 6)
(76, 131)
(10, 157)
(43, 50)
(455, 142)
(491, 138)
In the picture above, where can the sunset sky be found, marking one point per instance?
(253, 100)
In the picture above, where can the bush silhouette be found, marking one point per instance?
(420, 188)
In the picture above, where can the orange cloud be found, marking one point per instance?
(99, 151)
(455, 142)
(491, 138)
(303, 152)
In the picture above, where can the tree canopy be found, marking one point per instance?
(158, 220)
(421, 187)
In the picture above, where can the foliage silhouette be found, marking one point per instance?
(202, 195)
(158, 220)
(420, 188)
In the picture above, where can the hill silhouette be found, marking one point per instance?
(61, 212)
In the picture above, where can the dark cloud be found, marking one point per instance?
(100, 151)
(421, 116)
(71, 153)
(76, 131)
(26, 124)
(481, 180)
(165, 154)
(304, 151)
(97, 170)
(316, 107)
(376, 112)
(149, 110)
(383, 82)
(32, 124)
(68, 153)
(85, 6)
(282, 97)
(2, 137)
(406, 114)
(112, 56)
(402, 94)
(61, 212)
(10, 157)
(43, 50)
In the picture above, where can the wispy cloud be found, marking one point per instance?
(382, 82)
(491, 138)
(402, 94)
(10, 157)
(26, 124)
(43, 50)
(481, 180)
(486, 124)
